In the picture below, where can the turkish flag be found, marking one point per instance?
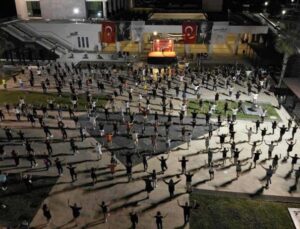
(108, 32)
(189, 31)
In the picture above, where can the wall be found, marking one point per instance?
(163, 28)
(231, 29)
(248, 29)
(212, 5)
(62, 9)
(62, 31)
(21, 8)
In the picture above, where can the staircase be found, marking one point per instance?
(26, 34)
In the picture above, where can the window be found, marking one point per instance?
(94, 9)
(82, 41)
(87, 42)
(79, 43)
(33, 8)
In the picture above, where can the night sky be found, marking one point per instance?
(7, 8)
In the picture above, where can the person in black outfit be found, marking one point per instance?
(93, 175)
(21, 135)
(183, 162)
(75, 211)
(294, 160)
(186, 211)
(294, 130)
(163, 163)
(148, 186)
(283, 129)
(47, 213)
(274, 126)
(257, 125)
(134, 218)
(171, 186)
(159, 219)
(72, 171)
(28, 182)
(49, 147)
(59, 166)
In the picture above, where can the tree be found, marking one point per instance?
(287, 43)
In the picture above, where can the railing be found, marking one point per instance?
(52, 36)
(12, 30)
(8, 19)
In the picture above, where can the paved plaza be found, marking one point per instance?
(123, 196)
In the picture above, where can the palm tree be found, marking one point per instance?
(287, 43)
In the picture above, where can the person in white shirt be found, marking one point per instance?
(98, 148)
(183, 108)
(93, 120)
(254, 97)
(135, 138)
(21, 83)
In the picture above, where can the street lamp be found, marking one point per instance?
(283, 12)
(266, 5)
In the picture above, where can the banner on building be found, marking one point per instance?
(189, 32)
(108, 32)
(219, 33)
(204, 32)
(123, 31)
(137, 30)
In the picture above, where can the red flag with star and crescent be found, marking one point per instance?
(189, 31)
(108, 32)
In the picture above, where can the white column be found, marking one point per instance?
(122, 4)
(21, 8)
(118, 46)
(118, 5)
(114, 5)
(140, 46)
(187, 48)
(104, 9)
(109, 5)
(130, 4)
(236, 44)
(210, 49)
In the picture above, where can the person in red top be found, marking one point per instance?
(109, 137)
(112, 166)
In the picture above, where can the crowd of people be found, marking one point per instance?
(144, 104)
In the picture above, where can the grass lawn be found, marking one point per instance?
(226, 212)
(38, 98)
(193, 104)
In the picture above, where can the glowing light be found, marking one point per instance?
(76, 10)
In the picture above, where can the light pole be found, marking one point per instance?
(75, 13)
(283, 12)
(266, 5)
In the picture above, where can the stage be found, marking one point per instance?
(162, 52)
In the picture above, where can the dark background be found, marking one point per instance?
(7, 8)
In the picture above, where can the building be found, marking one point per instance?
(71, 27)
(69, 9)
